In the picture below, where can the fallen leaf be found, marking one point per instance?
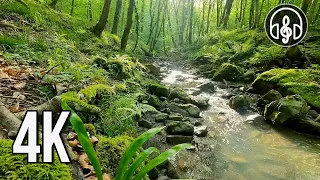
(15, 108)
(4, 75)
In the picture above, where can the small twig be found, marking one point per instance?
(50, 70)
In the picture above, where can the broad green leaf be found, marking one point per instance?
(131, 151)
(139, 160)
(84, 139)
(160, 159)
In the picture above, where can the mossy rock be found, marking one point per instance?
(110, 151)
(158, 90)
(115, 67)
(286, 109)
(228, 72)
(180, 94)
(303, 82)
(15, 166)
(249, 76)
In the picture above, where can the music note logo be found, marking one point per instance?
(286, 25)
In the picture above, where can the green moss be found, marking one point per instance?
(110, 150)
(74, 101)
(304, 82)
(91, 129)
(15, 166)
(228, 72)
(92, 91)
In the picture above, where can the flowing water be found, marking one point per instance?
(236, 149)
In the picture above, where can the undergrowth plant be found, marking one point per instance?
(128, 171)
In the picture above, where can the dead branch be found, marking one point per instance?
(10, 121)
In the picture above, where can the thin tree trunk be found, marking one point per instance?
(244, 12)
(208, 16)
(72, 7)
(116, 17)
(98, 29)
(251, 17)
(256, 19)
(167, 10)
(137, 28)
(142, 15)
(260, 13)
(151, 13)
(191, 21)
(125, 37)
(183, 24)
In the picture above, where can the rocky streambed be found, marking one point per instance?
(231, 140)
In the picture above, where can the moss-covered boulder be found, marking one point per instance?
(15, 166)
(158, 90)
(239, 103)
(228, 72)
(180, 94)
(272, 95)
(289, 108)
(110, 150)
(303, 82)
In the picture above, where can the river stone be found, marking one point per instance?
(154, 101)
(201, 131)
(145, 123)
(313, 113)
(196, 121)
(180, 128)
(153, 68)
(185, 109)
(158, 90)
(176, 117)
(239, 103)
(161, 117)
(178, 139)
(180, 94)
(228, 72)
(206, 87)
(272, 95)
(200, 102)
(287, 108)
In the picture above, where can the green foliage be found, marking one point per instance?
(304, 82)
(92, 91)
(91, 129)
(125, 169)
(15, 166)
(11, 41)
(83, 138)
(119, 114)
(110, 150)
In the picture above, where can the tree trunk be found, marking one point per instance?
(125, 36)
(256, 16)
(72, 7)
(191, 21)
(251, 17)
(167, 11)
(98, 29)
(228, 10)
(116, 17)
(208, 16)
(183, 24)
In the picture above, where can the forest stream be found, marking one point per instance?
(240, 149)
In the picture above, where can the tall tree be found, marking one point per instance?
(208, 16)
(227, 13)
(183, 24)
(116, 17)
(191, 20)
(126, 32)
(98, 29)
(72, 7)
